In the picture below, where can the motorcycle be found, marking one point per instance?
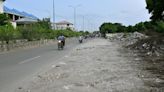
(80, 39)
(60, 45)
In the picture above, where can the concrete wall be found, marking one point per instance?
(1, 6)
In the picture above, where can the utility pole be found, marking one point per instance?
(83, 24)
(54, 26)
(74, 8)
(75, 17)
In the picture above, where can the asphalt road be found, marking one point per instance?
(20, 65)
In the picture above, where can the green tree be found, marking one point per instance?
(7, 33)
(156, 8)
(107, 28)
(139, 27)
(45, 23)
(3, 19)
(111, 28)
(130, 29)
(160, 26)
(148, 25)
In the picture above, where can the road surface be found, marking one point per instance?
(98, 65)
(95, 66)
(20, 65)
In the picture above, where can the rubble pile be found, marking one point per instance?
(149, 54)
(151, 46)
(126, 38)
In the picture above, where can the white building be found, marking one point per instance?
(17, 17)
(1, 6)
(62, 25)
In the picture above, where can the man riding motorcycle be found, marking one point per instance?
(61, 41)
(80, 39)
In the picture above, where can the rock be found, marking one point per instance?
(158, 80)
(137, 59)
(62, 63)
(157, 53)
(149, 53)
(20, 88)
(39, 76)
(67, 87)
(53, 66)
(57, 66)
(144, 45)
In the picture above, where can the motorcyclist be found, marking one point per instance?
(80, 39)
(62, 38)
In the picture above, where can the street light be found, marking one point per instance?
(74, 8)
(53, 14)
(83, 23)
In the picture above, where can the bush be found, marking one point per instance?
(160, 26)
(66, 33)
(7, 33)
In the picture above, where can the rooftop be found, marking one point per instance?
(26, 20)
(16, 12)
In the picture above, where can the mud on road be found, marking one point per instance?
(96, 66)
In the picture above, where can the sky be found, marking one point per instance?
(90, 14)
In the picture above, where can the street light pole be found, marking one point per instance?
(75, 17)
(54, 15)
(83, 24)
(74, 8)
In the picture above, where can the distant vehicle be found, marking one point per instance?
(80, 39)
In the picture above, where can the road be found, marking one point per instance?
(20, 65)
(98, 65)
(95, 66)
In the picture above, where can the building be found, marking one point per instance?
(16, 17)
(62, 25)
(1, 6)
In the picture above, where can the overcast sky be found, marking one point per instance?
(93, 12)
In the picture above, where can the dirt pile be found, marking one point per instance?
(151, 51)
(126, 38)
(150, 45)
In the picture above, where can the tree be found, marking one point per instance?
(107, 28)
(130, 29)
(7, 33)
(87, 33)
(156, 8)
(139, 27)
(160, 26)
(3, 19)
(111, 28)
(45, 23)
